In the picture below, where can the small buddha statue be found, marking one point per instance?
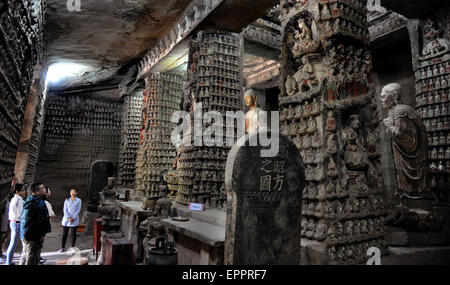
(316, 141)
(332, 168)
(252, 116)
(309, 156)
(316, 107)
(332, 144)
(312, 125)
(321, 231)
(290, 113)
(306, 141)
(298, 112)
(322, 192)
(331, 189)
(303, 126)
(331, 122)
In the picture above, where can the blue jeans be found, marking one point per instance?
(15, 235)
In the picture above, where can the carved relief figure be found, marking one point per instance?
(355, 155)
(409, 142)
(304, 42)
(436, 45)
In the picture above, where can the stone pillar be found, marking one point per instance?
(22, 156)
(131, 128)
(431, 63)
(162, 97)
(328, 109)
(432, 68)
(215, 79)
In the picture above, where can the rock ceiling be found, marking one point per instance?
(106, 34)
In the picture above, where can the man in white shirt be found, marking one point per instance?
(15, 211)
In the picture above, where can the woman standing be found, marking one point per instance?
(71, 219)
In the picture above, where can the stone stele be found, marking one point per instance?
(263, 203)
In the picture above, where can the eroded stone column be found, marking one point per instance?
(22, 156)
(328, 109)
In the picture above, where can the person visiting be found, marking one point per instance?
(4, 226)
(5, 232)
(15, 212)
(51, 213)
(71, 219)
(34, 225)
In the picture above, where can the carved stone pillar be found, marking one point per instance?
(215, 79)
(131, 129)
(431, 55)
(23, 151)
(327, 108)
(162, 97)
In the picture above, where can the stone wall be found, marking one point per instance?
(21, 48)
(77, 132)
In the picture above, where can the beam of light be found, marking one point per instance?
(63, 70)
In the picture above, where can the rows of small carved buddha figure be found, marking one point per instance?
(214, 74)
(343, 17)
(358, 226)
(349, 68)
(355, 253)
(77, 130)
(300, 122)
(9, 137)
(162, 98)
(131, 129)
(219, 69)
(172, 179)
(218, 99)
(433, 78)
(201, 173)
(35, 140)
(19, 43)
(16, 69)
(7, 158)
(69, 115)
(432, 93)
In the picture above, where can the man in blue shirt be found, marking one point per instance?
(34, 225)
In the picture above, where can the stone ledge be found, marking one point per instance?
(417, 256)
(210, 216)
(209, 234)
(313, 253)
(133, 207)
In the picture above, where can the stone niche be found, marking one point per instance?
(327, 109)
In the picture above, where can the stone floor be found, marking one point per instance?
(53, 243)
